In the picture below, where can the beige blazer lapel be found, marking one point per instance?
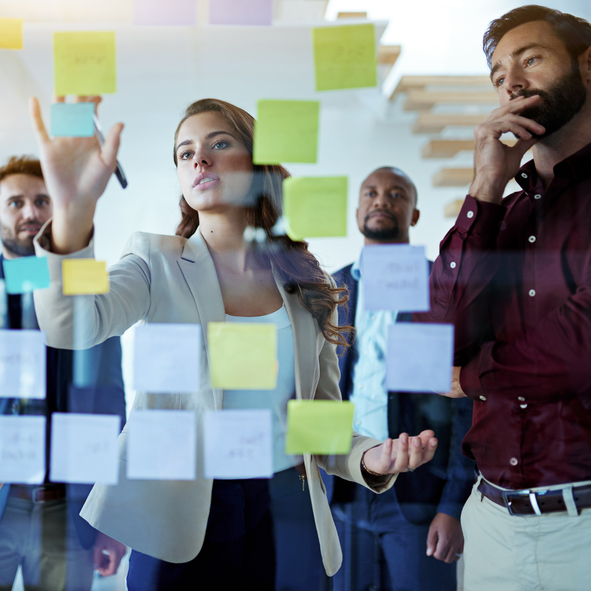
(199, 272)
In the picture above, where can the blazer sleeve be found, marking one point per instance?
(103, 316)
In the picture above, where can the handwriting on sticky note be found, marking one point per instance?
(345, 57)
(238, 444)
(161, 445)
(319, 427)
(22, 449)
(395, 277)
(84, 448)
(25, 274)
(242, 356)
(22, 364)
(241, 12)
(315, 206)
(84, 277)
(11, 33)
(84, 63)
(72, 120)
(286, 131)
(171, 12)
(167, 358)
(419, 357)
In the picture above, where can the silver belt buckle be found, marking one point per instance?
(532, 496)
(34, 498)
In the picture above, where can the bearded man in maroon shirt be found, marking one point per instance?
(514, 276)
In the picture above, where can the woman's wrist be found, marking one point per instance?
(364, 467)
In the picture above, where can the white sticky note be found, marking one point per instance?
(395, 277)
(420, 357)
(22, 364)
(238, 444)
(22, 449)
(161, 445)
(84, 448)
(167, 358)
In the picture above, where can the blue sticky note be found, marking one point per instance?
(26, 274)
(72, 119)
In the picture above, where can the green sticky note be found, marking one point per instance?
(286, 131)
(242, 356)
(26, 274)
(11, 33)
(315, 206)
(84, 277)
(84, 63)
(72, 119)
(345, 57)
(319, 427)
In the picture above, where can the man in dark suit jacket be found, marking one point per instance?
(410, 537)
(40, 528)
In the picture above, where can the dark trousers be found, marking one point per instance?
(260, 535)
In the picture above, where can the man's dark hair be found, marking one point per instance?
(573, 31)
(21, 165)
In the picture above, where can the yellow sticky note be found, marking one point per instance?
(242, 356)
(84, 63)
(345, 57)
(84, 277)
(11, 33)
(315, 206)
(286, 131)
(319, 427)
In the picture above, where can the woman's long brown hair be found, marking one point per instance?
(296, 265)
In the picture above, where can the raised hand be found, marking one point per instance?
(76, 172)
(495, 163)
(401, 455)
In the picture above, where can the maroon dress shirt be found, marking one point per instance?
(515, 280)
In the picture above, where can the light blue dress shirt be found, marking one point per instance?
(276, 400)
(370, 394)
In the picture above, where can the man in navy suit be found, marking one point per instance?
(40, 528)
(410, 537)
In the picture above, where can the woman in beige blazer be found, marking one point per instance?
(205, 272)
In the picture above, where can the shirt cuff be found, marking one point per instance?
(470, 379)
(481, 218)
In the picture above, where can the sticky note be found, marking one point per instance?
(25, 274)
(345, 57)
(171, 12)
(161, 445)
(72, 120)
(286, 131)
(84, 63)
(11, 33)
(167, 358)
(238, 444)
(241, 12)
(22, 449)
(84, 277)
(319, 427)
(242, 356)
(315, 206)
(84, 448)
(22, 364)
(395, 277)
(419, 357)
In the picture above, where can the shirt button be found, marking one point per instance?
(523, 406)
(532, 239)
(537, 196)
(483, 398)
(523, 175)
(521, 399)
(514, 461)
(532, 292)
(452, 265)
(470, 214)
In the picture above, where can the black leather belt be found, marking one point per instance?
(38, 494)
(527, 502)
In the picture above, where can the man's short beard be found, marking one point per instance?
(392, 233)
(19, 248)
(559, 104)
